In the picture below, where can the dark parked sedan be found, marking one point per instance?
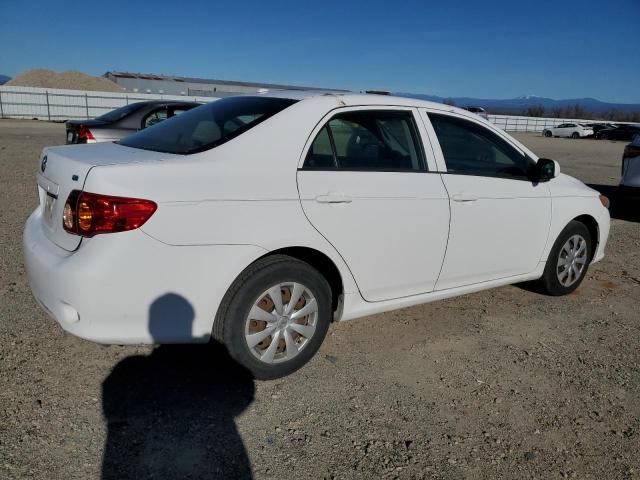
(621, 132)
(124, 121)
(598, 127)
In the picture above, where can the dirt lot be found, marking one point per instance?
(501, 384)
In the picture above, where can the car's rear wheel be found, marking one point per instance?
(275, 316)
(575, 135)
(547, 133)
(603, 136)
(568, 260)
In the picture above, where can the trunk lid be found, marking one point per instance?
(64, 169)
(73, 124)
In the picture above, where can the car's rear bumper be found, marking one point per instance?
(630, 173)
(127, 287)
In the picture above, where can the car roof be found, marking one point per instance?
(360, 99)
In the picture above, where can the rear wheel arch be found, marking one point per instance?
(237, 321)
(321, 262)
(311, 256)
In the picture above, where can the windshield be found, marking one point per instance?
(208, 126)
(120, 113)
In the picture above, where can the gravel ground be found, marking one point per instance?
(505, 383)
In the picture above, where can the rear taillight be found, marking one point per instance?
(90, 214)
(85, 134)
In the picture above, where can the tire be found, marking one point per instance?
(575, 135)
(548, 134)
(554, 272)
(281, 335)
(603, 136)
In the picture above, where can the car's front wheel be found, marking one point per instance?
(575, 135)
(547, 133)
(275, 316)
(568, 260)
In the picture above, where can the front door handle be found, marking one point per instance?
(464, 197)
(334, 198)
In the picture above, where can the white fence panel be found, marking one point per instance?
(60, 105)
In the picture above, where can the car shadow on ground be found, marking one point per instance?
(621, 208)
(171, 414)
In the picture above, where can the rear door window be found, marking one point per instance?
(207, 126)
(382, 140)
(321, 153)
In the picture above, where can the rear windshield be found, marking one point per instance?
(120, 113)
(207, 126)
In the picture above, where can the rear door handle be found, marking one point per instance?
(464, 197)
(334, 198)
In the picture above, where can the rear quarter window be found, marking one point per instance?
(207, 126)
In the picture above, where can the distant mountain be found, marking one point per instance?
(4, 79)
(520, 104)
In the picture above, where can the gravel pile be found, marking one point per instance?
(70, 80)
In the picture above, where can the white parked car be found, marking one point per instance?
(258, 220)
(572, 130)
(481, 112)
(630, 178)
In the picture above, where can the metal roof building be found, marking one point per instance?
(172, 85)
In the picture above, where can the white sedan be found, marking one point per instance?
(258, 220)
(572, 130)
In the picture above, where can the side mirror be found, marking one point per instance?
(546, 169)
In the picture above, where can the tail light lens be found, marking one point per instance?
(84, 134)
(90, 214)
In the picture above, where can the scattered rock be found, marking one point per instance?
(331, 359)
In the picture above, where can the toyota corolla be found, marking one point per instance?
(258, 220)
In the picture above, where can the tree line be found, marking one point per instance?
(570, 111)
(578, 111)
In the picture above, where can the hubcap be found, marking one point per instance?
(572, 260)
(281, 322)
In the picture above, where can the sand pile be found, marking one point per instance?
(70, 80)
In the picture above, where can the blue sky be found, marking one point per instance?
(484, 48)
